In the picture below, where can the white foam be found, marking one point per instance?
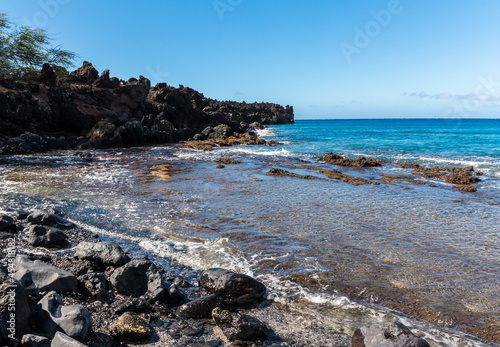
(266, 132)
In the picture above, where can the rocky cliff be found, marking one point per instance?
(92, 110)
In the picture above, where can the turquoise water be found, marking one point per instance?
(341, 255)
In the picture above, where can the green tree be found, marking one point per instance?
(24, 49)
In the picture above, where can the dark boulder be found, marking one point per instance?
(102, 254)
(49, 219)
(7, 224)
(13, 295)
(95, 285)
(130, 328)
(45, 277)
(200, 308)
(32, 340)
(175, 296)
(139, 278)
(221, 132)
(236, 289)
(237, 326)
(386, 334)
(40, 236)
(62, 340)
(52, 316)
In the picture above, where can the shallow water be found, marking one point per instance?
(338, 252)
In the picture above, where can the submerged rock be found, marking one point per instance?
(386, 334)
(139, 278)
(335, 159)
(45, 277)
(236, 289)
(130, 327)
(103, 254)
(53, 316)
(227, 161)
(237, 326)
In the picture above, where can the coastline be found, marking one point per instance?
(342, 337)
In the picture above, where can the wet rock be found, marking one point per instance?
(62, 340)
(200, 308)
(32, 340)
(227, 161)
(466, 188)
(49, 219)
(139, 278)
(52, 316)
(96, 285)
(337, 175)
(237, 326)
(335, 159)
(408, 165)
(103, 254)
(105, 134)
(461, 178)
(131, 328)
(40, 236)
(284, 173)
(175, 296)
(45, 277)
(236, 289)
(7, 224)
(12, 294)
(387, 334)
(219, 166)
(131, 305)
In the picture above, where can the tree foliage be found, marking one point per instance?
(24, 49)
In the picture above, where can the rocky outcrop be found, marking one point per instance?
(332, 158)
(92, 110)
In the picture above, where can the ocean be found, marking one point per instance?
(342, 255)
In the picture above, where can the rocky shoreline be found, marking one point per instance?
(90, 110)
(69, 288)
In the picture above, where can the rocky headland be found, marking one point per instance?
(91, 110)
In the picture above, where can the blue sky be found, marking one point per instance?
(329, 59)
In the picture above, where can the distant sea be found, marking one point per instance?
(343, 255)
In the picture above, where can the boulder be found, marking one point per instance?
(358, 162)
(13, 294)
(175, 296)
(45, 277)
(131, 328)
(41, 236)
(386, 334)
(52, 316)
(50, 219)
(103, 254)
(200, 308)
(236, 289)
(32, 340)
(96, 285)
(138, 278)
(181, 282)
(63, 340)
(237, 326)
(7, 224)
